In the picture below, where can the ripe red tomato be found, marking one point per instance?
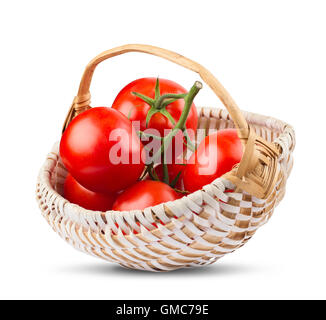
(216, 155)
(137, 109)
(102, 151)
(76, 193)
(144, 194)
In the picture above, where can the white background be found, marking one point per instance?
(270, 55)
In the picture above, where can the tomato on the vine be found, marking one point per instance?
(102, 151)
(144, 194)
(76, 193)
(140, 101)
(216, 155)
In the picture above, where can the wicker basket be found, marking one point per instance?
(210, 223)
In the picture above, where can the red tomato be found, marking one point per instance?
(76, 193)
(216, 155)
(136, 109)
(174, 169)
(144, 194)
(102, 151)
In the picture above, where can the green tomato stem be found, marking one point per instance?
(190, 145)
(165, 171)
(158, 104)
(181, 124)
(189, 98)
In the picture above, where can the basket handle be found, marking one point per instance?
(258, 171)
(83, 95)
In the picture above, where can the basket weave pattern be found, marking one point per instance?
(193, 231)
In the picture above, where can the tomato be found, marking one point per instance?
(216, 155)
(76, 193)
(136, 109)
(175, 169)
(144, 194)
(102, 151)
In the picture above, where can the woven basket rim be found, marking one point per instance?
(222, 183)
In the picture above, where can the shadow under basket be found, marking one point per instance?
(197, 229)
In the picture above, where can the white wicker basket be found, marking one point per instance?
(197, 229)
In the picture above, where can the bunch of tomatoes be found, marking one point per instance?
(142, 151)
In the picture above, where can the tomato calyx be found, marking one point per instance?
(153, 175)
(159, 103)
(173, 184)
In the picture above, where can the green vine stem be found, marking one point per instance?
(158, 105)
(181, 124)
(161, 101)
